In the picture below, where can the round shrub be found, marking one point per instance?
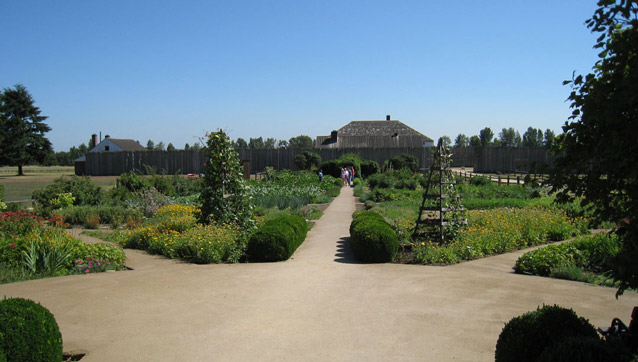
(277, 239)
(586, 349)
(372, 239)
(29, 330)
(525, 337)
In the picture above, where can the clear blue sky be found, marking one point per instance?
(171, 70)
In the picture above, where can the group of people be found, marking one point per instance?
(347, 175)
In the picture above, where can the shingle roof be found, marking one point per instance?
(128, 144)
(378, 128)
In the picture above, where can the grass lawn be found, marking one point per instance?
(20, 188)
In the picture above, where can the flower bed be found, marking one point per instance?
(34, 247)
(493, 231)
(174, 233)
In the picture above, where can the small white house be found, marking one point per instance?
(114, 144)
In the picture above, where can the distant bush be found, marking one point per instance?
(380, 180)
(277, 239)
(402, 161)
(480, 181)
(83, 190)
(369, 167)
(372, 239)
(306, 160)
(524, 338)
(28, 331)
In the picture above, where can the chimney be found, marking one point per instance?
(387, 118)
(333, 136)
(94, 138)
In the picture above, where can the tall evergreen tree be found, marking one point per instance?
(22, 129)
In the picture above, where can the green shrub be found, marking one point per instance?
(372, 239)
(29, 331)
(133, 182)
(524, 338)
(277, 239)
(369, 168)
(83, 190)
(402, 161)
(480, 181)
(380, 180)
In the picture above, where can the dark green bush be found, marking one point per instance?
(83, 190)
(29, 332)
(372, 238)
(369, 167)
(480, 181)
(133, 182)
(306, 160)
(331, 167)
(402, 161)
(3, 358)
(277, 239)
(380, 180)
(524, 338)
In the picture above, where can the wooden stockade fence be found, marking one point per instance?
(483, 160)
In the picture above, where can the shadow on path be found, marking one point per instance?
(344, 252)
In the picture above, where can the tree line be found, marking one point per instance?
(508, 137)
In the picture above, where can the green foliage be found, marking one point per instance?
(498, 231)
(480, 181)
(107, 214)
(372, 238)
(82, 189)
(292, 189)
(333, 167)
(300, 142)
(524, 338)
(28, 331)
(591, 253)
(174, 233)
(596, 156)
(402, 161)
(369, 167)
(277, 239)
(22, 129)
(224, 198)
(307, 160)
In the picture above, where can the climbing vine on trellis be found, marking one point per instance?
(224, 198)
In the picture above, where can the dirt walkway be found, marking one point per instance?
(320, 305)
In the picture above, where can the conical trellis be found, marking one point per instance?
(441, 210)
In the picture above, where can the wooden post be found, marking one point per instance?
(508, 179)
(518, 180)
(499, 180)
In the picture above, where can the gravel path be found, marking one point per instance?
(319, 306)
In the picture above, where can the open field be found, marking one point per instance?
(20, 188)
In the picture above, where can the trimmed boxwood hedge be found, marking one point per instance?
(29, 332)
(277, 239)
(372, 238)
(524, 338)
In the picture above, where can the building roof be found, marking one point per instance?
(378, 128)
(127, 144)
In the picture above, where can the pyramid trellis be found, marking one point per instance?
(441, 213)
